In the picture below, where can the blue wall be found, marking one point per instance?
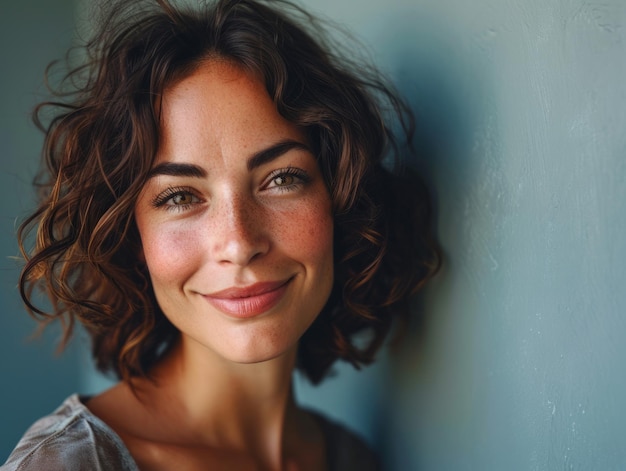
(520, 365)
(33, 381)
(523, 106)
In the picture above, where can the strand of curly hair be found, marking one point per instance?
(101, 142)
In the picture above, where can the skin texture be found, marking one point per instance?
(234, 226)
(236, 210)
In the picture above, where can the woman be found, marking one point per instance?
(215, 212)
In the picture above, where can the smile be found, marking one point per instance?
(248, 301)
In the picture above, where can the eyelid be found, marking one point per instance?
(297, 172)
(161, 200)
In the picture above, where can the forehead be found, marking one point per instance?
(215, 88)
(221, 104)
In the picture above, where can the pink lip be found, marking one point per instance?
(248, 301)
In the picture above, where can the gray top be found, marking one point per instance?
(72, 438)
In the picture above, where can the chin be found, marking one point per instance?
(261, 348)
(261, 354)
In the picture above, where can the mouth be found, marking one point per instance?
(249, 301)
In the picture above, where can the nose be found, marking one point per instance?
(239, 231)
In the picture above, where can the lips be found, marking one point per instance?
(248, 301)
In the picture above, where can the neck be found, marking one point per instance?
(214, 402)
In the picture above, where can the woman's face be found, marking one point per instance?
(235, 219)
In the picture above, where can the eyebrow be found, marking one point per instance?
(273, 152)
(177, 170)
(256, 160)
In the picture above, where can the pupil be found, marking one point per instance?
(282, 180)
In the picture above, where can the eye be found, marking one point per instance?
(181, 199)
(287, 179)
(284, 180)
(176, 199)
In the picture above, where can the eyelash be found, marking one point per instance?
(300, 174)
(163, 199)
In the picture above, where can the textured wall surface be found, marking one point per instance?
(522, 104)
(522, 112)
(32, 381)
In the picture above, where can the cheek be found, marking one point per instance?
(167, 254)
(309, 234)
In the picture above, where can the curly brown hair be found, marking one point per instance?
(102, 139)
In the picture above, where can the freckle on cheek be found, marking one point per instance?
(167, 254)
(315, 237)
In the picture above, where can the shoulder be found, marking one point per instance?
(345, 449)
(69, 438)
